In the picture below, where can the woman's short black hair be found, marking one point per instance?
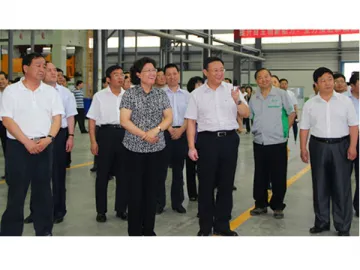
(138, 66)
(191, 83)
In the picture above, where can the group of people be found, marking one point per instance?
(137, 133)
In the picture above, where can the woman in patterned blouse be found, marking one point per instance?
(145, 112)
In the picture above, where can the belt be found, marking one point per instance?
(176, 126)
(37, 138)
(220, 133)
(330, 140)
(110, 126)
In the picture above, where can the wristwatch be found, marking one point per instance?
(239, 102)
(159, 128)
(51, 137)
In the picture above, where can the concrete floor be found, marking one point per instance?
(80, 219)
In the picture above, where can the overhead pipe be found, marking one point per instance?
(198, 44)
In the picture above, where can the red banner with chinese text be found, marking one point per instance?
(263, 33)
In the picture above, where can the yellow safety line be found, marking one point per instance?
(246, 215)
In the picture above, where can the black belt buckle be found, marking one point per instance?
(221, 133)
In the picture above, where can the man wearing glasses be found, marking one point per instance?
(340, 85)
(214, 107)
(104, 112)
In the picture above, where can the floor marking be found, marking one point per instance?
(246, 215)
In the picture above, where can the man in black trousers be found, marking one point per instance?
(31, 112)
(214, 106)
(331, 119)
(107, 143)
(63, 145)
(3, 84)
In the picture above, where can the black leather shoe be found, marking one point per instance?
(110, 177)
(93, 169)
(58, 220)
(319, 230)
(234, 188)
(28, 220)
(201, 233)
(258, 211)
(159, 210)
(278, 214)
(122, 215)
(226, 233)
(101, 218)
(193, 199)
(180, 209)
(343, 234)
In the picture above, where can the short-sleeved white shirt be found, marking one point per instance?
(105, 107)
(69, 104)
(328, 119)
(213, 110)
(32, 111)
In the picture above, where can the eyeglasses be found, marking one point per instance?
(217, 70)
(119, 75)
(340, 82)
(150, 70)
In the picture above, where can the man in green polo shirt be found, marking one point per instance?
(273, 113)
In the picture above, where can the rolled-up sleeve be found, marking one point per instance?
(305, 116)
(57, 106)
(7, 105)
(94, 111)
(352, 118)
(191, 111)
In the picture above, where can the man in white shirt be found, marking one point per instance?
(63, 144)
(107, 143)
(214, 107)
(284, 84)
(331, 120)
(176, 144)
(3, 84)
(31, 112)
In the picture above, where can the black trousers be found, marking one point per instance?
(111, 158)
(246, 122)
(23, 169)
(295, 129)
(191, 178)
(331, 178)
(270, 165)
(144, 171)
(216, 168)
(175, 154)
(96, 136)
(80, 117)
(3, 138)
(356, 195)
(58, 175)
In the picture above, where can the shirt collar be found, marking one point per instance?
(271, 93)
(22, 86)
(169, 90)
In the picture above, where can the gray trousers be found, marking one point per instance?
(331, 178)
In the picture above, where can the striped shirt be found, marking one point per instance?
(79, 97)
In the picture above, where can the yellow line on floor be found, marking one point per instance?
(72, 167)
(246, 215)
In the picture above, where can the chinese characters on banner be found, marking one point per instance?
(260, 33)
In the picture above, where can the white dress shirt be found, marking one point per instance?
(31, 110)
(179, 101)
(69, 104)
(328, 119)
(105, 107)
(213, 109)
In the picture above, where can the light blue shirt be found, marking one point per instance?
(355, 101)
(179, 101)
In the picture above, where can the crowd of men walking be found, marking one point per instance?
(137, 133)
